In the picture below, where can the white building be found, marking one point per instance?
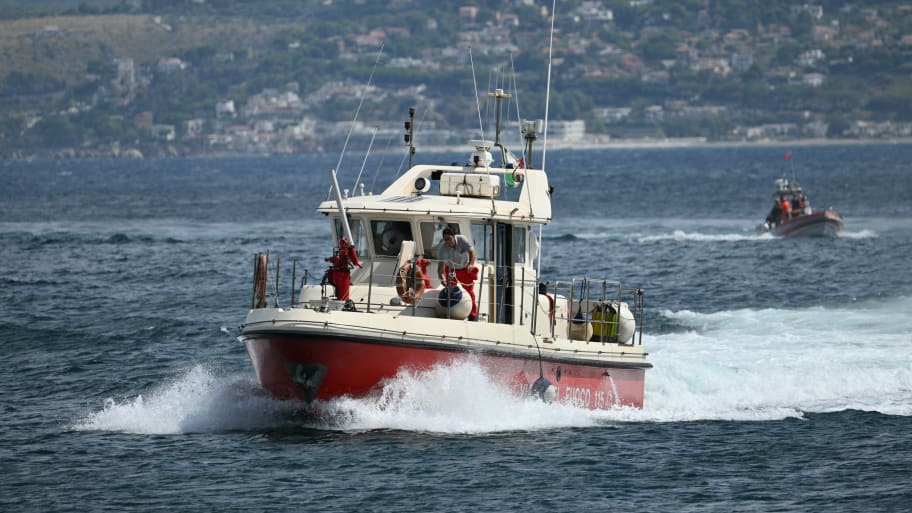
(568, 130)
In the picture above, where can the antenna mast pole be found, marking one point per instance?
(409, 135)
(499, 95)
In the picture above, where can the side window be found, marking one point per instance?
(357, 229)
(387, 236)
(520, 234)
(432, 236)
(483, 239)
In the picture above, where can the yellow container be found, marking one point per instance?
(604, 321)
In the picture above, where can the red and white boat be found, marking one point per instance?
(798, 219)
(377, 310)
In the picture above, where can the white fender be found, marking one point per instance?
(626, 324)
(459, 311)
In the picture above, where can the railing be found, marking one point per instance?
(595, 304)
(570, 307)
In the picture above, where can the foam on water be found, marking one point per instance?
(860, 234)
(681, 235)
(769, 364)
(703, 236)
(196, 401)
(456, 398)
(738, 365)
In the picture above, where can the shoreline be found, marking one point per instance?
(553, 144)
(685, 142)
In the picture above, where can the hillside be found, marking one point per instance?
(193, 76)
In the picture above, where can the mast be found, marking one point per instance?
(530, 130)
(499, 95)
(410, 135)
(341, 206)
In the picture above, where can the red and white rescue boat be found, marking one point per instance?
(577, 341)
(792, 215)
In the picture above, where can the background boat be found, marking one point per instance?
(819, 223)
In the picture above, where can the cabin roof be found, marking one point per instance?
(533, 202)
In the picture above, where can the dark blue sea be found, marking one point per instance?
(782, 378)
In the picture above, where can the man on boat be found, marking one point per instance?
(786, 208)
(338, 274)
(799, 202)
(458, 251)
(772, 218)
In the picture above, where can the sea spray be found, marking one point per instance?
(195, 401)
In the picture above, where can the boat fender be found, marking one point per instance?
(410, 284)
(449, 296)
(580, 327)
(543, 290)
(544, 390)
(453, 303)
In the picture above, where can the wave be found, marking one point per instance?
(861, 234)
(694, 236)
(737, 365)
(681, 235)
(773, 363)
(562, 238)
(197, 401)
(153, 230)
(457, 398)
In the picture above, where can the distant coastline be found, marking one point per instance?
(590, 143)
(688, 142)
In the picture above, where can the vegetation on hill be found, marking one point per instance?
(705, 68)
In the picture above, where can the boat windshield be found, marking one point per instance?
(387, 236)
(432, 236)
(483, 239)
(357, 229)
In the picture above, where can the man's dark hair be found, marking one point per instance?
(448, 231)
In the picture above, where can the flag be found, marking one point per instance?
(788, 155)
(514, 162)
(510, 178)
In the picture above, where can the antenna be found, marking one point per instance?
(788, 165)
(547, 102)
(548, 89)
(515, 93)
(341, 206)
(410, 135)
(499, 95)
(389, 142)
(475, 84)
(530, 130)
(360, 103)
(369, 146)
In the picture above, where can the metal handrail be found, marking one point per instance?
(593, 297)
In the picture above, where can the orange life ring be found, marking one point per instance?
(410, 285)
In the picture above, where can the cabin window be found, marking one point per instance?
(432, 236)
(357, 229)
(520, 235)
(483, 240)
(388, 236)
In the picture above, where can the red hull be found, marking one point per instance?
(309, 368)
(817, 224)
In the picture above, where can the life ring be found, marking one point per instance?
(410, 285)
